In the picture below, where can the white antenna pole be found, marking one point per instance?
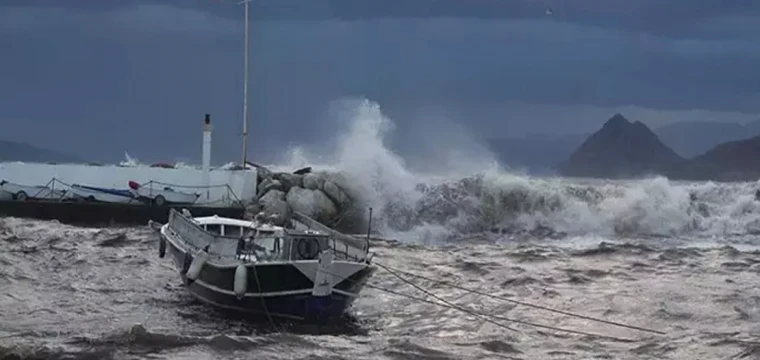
(245, 88)
(206, 155)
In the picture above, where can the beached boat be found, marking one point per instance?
(161, 195)
(92, 193)
(255, 267)
(26, 192)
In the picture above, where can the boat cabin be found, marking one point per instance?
(238, 239)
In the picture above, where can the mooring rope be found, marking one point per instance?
(445, 304)
(263, 301)
(504, 318)
(449, 304)
(516, 302)
(482, 315)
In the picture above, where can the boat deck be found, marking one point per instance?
(101, 213)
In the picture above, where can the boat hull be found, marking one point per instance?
(5, 195)
(102, 194)
(171, 197)
(279, 290)
(300, 307)
(23, 192)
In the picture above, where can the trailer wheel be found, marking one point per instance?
(159, 201)
(21, 196)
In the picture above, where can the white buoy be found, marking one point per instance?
(196, 266)
(241, 281)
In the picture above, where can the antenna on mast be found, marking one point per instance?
(245, 84)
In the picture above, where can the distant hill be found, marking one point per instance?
(692, 138)
(730, 161)
(17, 151)
(621, 149)
(542, 153)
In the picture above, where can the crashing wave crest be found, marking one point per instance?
(470, 193)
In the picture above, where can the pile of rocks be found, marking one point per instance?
(320, 195)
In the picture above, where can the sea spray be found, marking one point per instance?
(465, 195)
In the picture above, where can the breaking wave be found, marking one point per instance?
(467, 192)
(472, 194)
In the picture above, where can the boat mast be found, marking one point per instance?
(245, 86)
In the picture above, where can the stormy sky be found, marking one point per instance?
(97, 78)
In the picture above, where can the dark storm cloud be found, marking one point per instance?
(662, 17)
(158, 65)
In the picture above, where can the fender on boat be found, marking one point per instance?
(241, 281)
(197, 265)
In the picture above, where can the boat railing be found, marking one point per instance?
(307, 246)
(196, 238)
(264, 246)
(362, 244)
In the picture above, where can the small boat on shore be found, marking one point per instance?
(26, 192)
(307, 273)
(161, 196)
(93, 194)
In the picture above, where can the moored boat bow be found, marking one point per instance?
(259, 268)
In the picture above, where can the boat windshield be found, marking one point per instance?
(266, 246)
(270, 244)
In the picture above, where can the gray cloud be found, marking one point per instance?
(135, 18)
(150, 65)
(678, 18)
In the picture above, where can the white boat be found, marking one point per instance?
(161, 195)
(25, 192)
(92, 194)
(256, 267)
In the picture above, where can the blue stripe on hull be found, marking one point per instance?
(118, 192)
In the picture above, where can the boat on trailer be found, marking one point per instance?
(308, 272)
(99, 194)
(9, 190)
(161, 195)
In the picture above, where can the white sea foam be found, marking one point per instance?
(469, 192)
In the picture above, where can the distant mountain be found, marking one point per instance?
(542, 153)
(16, 151)
(692, 138)
(621, 149)
(536, 153)
(730, 161)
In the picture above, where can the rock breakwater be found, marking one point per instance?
(322, 196)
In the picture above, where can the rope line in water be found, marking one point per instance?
(482, 315)
(486, 316)
(263, 301)
(448, 304)
(516, 302)
(570, 331)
